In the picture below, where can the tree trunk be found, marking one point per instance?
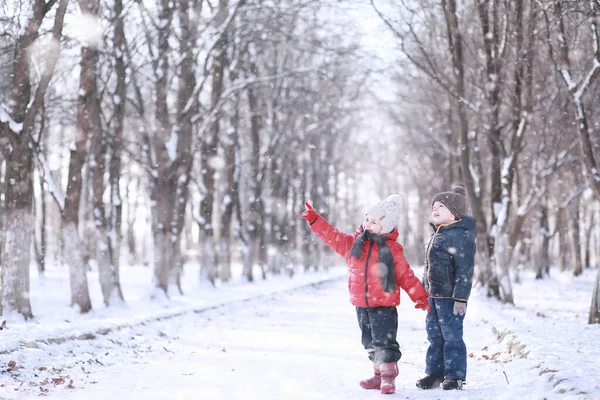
(562, 224)
(243, 242)
(187, 106)
(17, 242)
(131, 220)
(588, 240)
(594, 317)
(116, 145)
(318, 246)
(232, 173)
(162, 259)
(543, 262)
(40, 251)
(109, 280)
(283, 223)
(108, 273)
(455, 47)
(294, 222)
(307, 235)
(2, 198)
(256, 206)
(87, 124)
(163, 197)
(576, 237)
(262, 257)
(581, 120)
(502, 171)
(18, 130)
(165, 174)
(209, 148)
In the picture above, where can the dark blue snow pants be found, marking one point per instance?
(378, 327)
(447, 353)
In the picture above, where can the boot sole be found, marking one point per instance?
(459, 386)
(436, 384)
(389, 390)
(370, 387)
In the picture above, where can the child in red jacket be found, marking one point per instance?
(377, 269)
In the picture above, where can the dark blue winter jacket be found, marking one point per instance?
(450, 260)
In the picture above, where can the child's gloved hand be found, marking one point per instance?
(422, 303)
(310, 215)
(460, 308)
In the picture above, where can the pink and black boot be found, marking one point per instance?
(389, 372)
(373, 382)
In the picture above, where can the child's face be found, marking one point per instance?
(372, 225)
(441, 215)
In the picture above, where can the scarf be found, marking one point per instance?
(385, 258)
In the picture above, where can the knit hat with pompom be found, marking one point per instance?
(455, 201)
(387, 212)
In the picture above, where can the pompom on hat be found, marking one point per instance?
(387, 212)
(455, 201)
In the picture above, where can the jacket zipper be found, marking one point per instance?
(429, 259)
(367, 274)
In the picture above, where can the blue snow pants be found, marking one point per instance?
(378, 327)
(447, 353)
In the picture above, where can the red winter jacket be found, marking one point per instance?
(364, 281)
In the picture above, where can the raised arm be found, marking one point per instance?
(338, 241)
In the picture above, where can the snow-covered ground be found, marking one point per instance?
(287, 339)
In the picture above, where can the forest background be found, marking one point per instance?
(168, 131)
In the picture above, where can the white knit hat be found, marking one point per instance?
(387, 212)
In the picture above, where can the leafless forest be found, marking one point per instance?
(161, 132)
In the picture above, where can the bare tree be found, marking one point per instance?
(560, 54)
(16, 131)
(116, 150)
(208, 152)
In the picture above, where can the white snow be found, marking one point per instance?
(586, 82)
(217, 162)
(268, 340)
(51, 185)
(86, 28)
(171, 144)
(567, 77)
(14, 126)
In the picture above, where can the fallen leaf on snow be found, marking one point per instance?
(58, 381)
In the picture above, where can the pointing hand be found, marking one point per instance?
(310, 215)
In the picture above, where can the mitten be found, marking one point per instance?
(422, 303)
(310, 215)
(460, 307)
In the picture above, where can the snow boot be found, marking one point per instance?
(389, 372)
(452, 384)
(429, 382)
(373, 382)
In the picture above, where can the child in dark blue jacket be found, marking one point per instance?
(448, 277)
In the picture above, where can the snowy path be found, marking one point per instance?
(302, 344)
